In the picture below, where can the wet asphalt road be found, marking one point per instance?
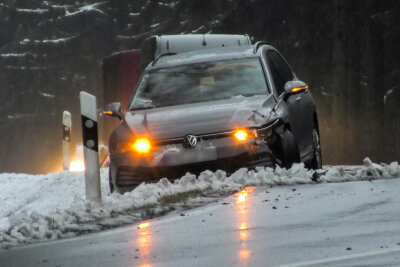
(342, 224)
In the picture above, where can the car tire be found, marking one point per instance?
(316, 162)
(289, 150)
(111, 185)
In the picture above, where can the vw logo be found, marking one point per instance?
(190, 141)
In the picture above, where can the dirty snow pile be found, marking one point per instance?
(43, 207)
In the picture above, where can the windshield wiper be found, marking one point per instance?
(142, 108)
(249, 95)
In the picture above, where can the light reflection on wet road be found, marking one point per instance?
(258, 226)
(144, 239)
(242, 211)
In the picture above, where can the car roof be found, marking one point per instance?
(190, 42)
(206, 55)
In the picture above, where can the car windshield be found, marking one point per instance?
(201, 82)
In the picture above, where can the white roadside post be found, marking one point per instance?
(66, 138)
(90, 146)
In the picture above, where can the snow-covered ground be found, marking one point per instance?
(325, 224)
(53, 206)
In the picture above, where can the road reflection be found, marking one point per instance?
(243, 226)
(144, 239)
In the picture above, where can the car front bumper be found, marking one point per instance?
(174, 161)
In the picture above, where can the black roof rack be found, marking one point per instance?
(162, 55)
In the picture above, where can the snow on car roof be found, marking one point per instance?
(206, 55)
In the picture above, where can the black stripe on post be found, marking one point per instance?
(66, 133)
(90, 134)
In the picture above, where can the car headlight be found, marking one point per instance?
(141, 146)
(244, 134)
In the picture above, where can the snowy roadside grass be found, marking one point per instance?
(44, 207)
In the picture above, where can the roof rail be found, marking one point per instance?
(162, 55)
(257, 45)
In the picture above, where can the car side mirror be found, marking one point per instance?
(113, 110)
(294, 87)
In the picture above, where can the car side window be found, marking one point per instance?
(280, 70)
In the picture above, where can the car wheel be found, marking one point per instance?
(112, 189)
(317, 159)
(289, 149)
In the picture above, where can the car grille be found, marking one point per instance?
(200, 137)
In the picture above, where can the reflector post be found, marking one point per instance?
(90, 146)
(66, 124)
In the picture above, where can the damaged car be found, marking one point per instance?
(212, 107)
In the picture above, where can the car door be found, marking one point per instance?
(300, 118)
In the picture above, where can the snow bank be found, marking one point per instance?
(43, 207)
(369, 171)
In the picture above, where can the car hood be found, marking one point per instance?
(200, 118)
